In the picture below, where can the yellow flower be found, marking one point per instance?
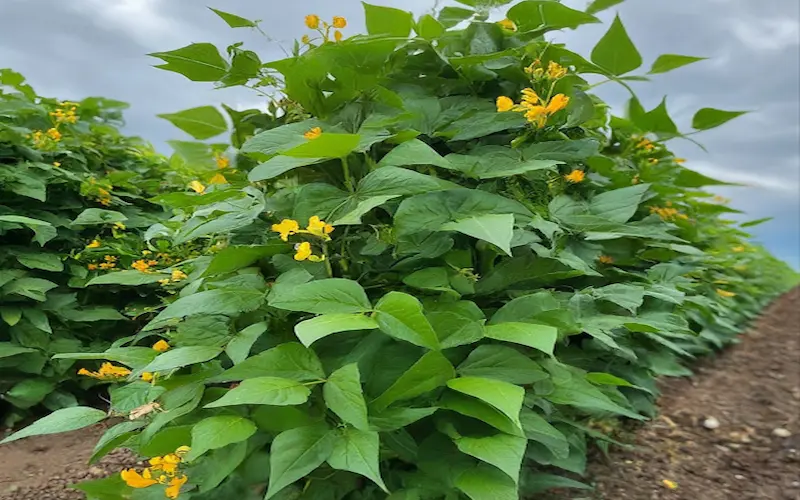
(679, 161)
(119, 225)
(739, 249)
(218, 179)
(504, 104)
(168, 463)
(725, 293)
(555, 71)
(303, 251)
(672, 485)
(148, 376)
(606, 259)
(107, 265)
(136, 480)
(575, 176)
(337, 35)
(646, 144)
(312, 21)
(306, 39)
(529, 98)
(93, 244)
(197, 187)
(557, 103)
(535, 69)
(313, 133)
(178, 275)
(174, 487)
(286, 228)
(319, 227)
(182, 451)
(163, 282)
(56, 164)
(161, 346)
(110, 258)
(339, 22)
(107, 371)
(54, 134)
(222, 161)
(537, 115)
(636, 179)
(141, 266)
(91, 267)
(652, 161)
(507, 24)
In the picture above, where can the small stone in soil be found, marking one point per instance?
(711, 423)
(781, 433)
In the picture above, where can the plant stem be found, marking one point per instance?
(347, 179)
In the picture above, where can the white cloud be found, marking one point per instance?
(141, 20)
(784, 184)
(767, 34)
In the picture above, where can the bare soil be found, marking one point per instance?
(752, 390)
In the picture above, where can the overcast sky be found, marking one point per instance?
(73, 49)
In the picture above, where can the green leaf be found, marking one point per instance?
(275, 140)
(389, 180)
(290, 360)
(537, 14)
(264, 391)
(431, 371)
(220, 465)
(413, 152)
(504, 451)
(708, 118)
(238, 348)
(180, 357)
(199, 62)
(327, 145)
(63, 420)
(364, 206)
(618, 205)
(400, 315)
(43, 231)
(33, 288)
(393, 419)
(279, 165)
(624, 295)
(485, 482)
(566, 151)
(233, 258)
(201, 123)
(615, 52)
(601, 5)
(7, 349)
(357, 451)
(95, 216)
(599, 378)
(501, 363)
(128, 277)
(295, 453)
(311, 330)
(579, 393)
(540, 430)
(429, 28)
(327, 296)
(233, 20)
(43, 261)
(450, 16)
(217, 432)
(541, 337)
(504, 397)
(428, 212)
(344, 396)
(756, 222)
(225, 301)
(28, 393)
(387, 21)
(497, 229)
(130, 356)
(477, 409)
(436, 279)
(668, 62)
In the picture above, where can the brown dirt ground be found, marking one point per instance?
(752, 389)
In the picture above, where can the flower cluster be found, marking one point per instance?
(324, 28)
(668, 212)
(177, 275)
(107, 371)
(109, 262)
(46, 139)
(553, 72)
(65, 113)
(143, 266)
(316, 227)
(313, 133)
(162, 470)
(605, 259)
(197, 187)
(536, 109)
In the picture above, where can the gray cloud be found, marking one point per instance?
(80, 48)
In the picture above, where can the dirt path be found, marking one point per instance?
(752, 390)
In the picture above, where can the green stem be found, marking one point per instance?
(347, 179)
